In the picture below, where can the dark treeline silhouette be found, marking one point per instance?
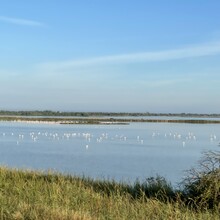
(110, 114)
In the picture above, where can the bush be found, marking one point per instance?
(201, 187)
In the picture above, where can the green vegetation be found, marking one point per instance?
(104, 117)
(203, 184)
(99, 114)
(35, 195)
(106, 121)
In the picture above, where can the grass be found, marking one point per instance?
(37, 195)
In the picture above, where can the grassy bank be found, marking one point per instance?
(35, 195)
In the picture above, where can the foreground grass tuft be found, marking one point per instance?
(37, 195)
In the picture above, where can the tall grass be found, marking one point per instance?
(38, 195)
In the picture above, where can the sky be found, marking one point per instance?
(110, 55)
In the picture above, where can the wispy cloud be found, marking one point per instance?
(193, 51)
(19, 21)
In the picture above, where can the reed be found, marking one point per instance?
(40, 195)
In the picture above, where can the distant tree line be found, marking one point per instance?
(89, 114)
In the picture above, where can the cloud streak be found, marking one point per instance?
(194, 51)
(22, 22)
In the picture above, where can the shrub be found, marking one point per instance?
(201, 187)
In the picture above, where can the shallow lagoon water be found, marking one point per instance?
(120, 152)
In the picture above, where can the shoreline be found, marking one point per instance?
(101, 121)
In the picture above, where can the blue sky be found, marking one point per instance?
(110, 55)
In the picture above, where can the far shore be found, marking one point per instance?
(101, 120)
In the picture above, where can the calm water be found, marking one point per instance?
(122, 152)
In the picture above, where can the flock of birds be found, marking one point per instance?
(88, 137)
